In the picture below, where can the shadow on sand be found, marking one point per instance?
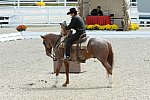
(62, 88)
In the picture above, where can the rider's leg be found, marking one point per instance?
(69, 43)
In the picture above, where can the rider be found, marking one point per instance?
(77, 24)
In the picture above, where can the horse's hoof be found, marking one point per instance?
(64, 85)
(54, 86)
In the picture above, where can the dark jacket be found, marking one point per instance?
(76, 23)
(94, 12)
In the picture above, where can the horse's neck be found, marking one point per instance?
(64, 32)
(54, 38)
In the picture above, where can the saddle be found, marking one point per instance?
(83, 38)
(82, 41)
(80, 44)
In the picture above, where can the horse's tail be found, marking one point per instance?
(110, 58)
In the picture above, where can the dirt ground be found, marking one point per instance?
(26, 73)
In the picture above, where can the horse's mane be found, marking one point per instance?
(51, 37)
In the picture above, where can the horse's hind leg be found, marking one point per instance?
(109, 72)
(108, 69)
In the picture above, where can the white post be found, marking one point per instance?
(57, 1)
(18, 3)
(85, 8)
(14, 3)
(48, 15)
(65, 3)
(41, 0)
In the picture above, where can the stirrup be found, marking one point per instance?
(67, 58)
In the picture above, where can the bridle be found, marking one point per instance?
(52, 53)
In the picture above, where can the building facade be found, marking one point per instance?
(139, 10)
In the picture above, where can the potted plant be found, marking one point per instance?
(21, 28)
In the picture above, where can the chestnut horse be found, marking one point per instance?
(97, 48)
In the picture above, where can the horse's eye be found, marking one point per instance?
(44, 43)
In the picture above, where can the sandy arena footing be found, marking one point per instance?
(26, 73)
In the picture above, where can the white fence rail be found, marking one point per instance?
(18, 2)
(11, 37)
(144, 19)
(33, 15)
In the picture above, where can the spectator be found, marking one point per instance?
(97, 12)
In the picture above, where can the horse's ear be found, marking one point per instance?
(42, 37)
(60, 23)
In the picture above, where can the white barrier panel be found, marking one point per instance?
(11, 37)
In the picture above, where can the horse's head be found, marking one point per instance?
(63, 24)
(64, 31)
(47, 44)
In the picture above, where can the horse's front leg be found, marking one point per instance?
(67, 73)
(59, 65)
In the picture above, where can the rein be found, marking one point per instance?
(53, 53)
(57, 41)
(56, 45)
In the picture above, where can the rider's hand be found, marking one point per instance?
(67, 28)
